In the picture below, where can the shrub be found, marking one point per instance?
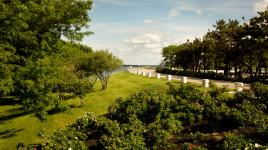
(59, 107)
(261, 93)
(147, 106)
(150, 119)
(234, 142)
(65, 139)
(187, 92)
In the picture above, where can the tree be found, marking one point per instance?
(81, 87)
(31, 33)
(34, 84)
(6, 58)
(208, 52)
(103, 64)
(169, 55)
(256, 36)
(74, 74)
(31, 29)
(230, 45)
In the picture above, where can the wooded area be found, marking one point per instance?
(37, 67)
(230, 46)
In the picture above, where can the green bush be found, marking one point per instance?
(187, 92)
(261, 94)
(150, 119)
(59, 107)
(65, 139)
(147, 106)
(234, 142)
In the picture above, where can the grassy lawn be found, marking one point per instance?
(16, 126)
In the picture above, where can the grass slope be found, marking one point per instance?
(16, 126)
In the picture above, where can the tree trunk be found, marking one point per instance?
(81, 101)
(226, 71)
(104, 84)
(61, 96)
(235, 72)
(250, 72)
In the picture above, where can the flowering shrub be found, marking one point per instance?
(67, 138)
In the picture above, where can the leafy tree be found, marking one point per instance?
(169, 55)
(7, 57)
(230, 45)
(103, 64)
(208, 52)
(34, 84)
(31, 33)
(74, 78)
(183, 56)
(82, 86)
(256, 36)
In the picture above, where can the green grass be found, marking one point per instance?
(15, 126)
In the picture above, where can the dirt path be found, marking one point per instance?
(219, 83)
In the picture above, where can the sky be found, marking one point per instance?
(137, 30)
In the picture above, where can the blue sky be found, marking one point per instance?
(137, 30)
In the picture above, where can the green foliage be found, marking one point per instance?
(233, 142)
(230, 45)
(41, 114)
(34, 84)
(147, 106)
(154, 110)
(103, 64)
(261, 93)
(65, 139)
(81, 87)
(59, 107)
(141, 121)
(32, 61)
(187, 92)
(151, 120)
(215, 91)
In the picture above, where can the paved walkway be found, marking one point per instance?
(219, 83)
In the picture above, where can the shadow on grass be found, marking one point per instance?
(9, 133)
(8, 101)
(12, 116)
(67, 97)
(75, 106)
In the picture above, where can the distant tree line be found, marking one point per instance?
(229, 46)
(37, 67)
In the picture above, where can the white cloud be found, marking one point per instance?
(135, 45)
(146, 38)
(173, 12)
(153, 46)
(151, 21)
(260, 5)
(215, 7)
(199, 12)
(148, 21)
(144, 48)
(139, 42)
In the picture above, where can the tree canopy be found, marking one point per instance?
(229, 46)
(38, 67)
(103, 64)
